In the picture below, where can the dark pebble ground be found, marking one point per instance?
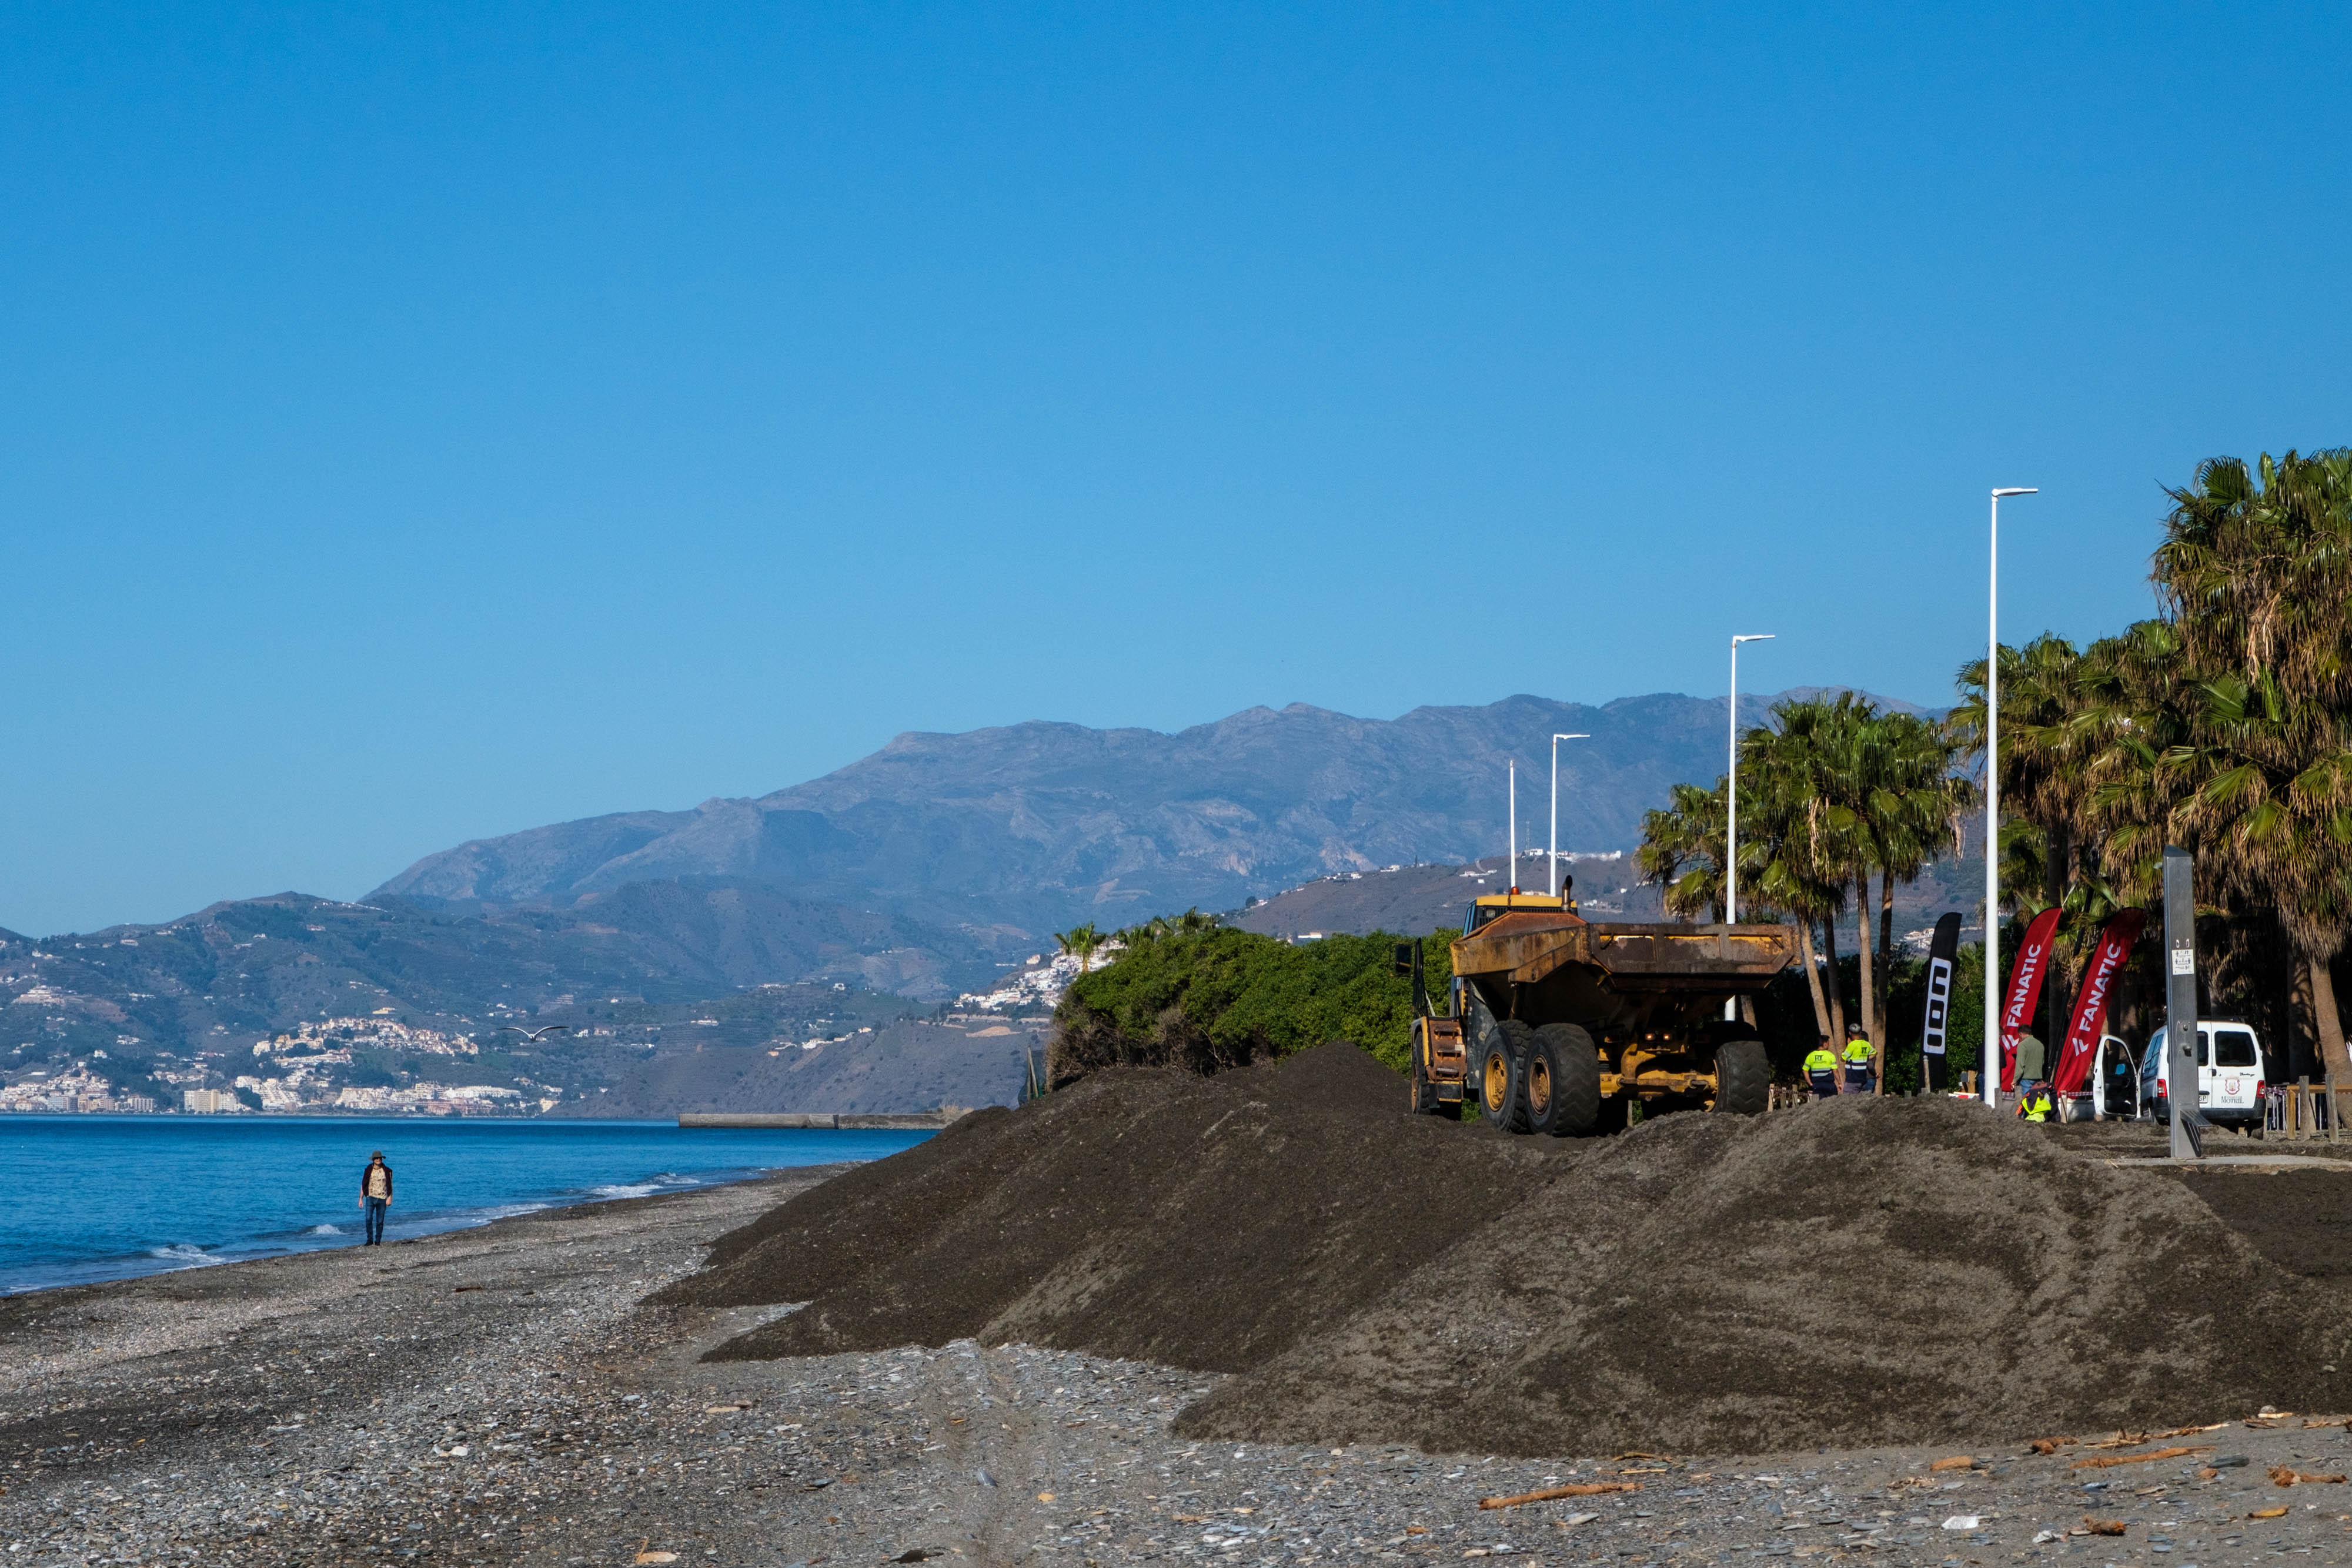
(501, 1395)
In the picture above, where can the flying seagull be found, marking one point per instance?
(534, 1035)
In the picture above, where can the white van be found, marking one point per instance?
(2228, 1074)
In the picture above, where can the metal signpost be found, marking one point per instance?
(2180, 1002)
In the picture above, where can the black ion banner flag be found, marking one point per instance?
(1941, 952)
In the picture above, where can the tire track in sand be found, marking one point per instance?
(991, 1454)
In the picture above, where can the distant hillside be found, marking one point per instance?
(1037, 825)
(411, 994)
(717, 933)
(912, 1064)
(1416, 899)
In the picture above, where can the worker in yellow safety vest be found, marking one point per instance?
(2035, 1103)
(1820, 1069)
(1858, 1054)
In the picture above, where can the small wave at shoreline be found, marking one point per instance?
(662, 1181)
(182, 1255)
(474, 1217)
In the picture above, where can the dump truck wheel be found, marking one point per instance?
(1743, 1077)
(1563, 1081)
(1502, 1076)
(1425, 1102)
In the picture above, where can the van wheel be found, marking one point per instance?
(1563, 1081)
(1502, 1076)
(1743, 1077)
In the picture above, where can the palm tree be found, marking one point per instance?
(2226, 725)
(2045, 777)
(2256, 570)
(1780, 864)
(1814, 767)
(1912, 803)
(2255, 567)
(2268, 803)
(2133, 716)
(1810, 852)
(1681, 851)
(1082, 943)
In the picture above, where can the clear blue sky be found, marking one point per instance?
(419, 423)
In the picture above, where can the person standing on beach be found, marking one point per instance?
(376, 1196)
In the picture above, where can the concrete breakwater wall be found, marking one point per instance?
(845, 1121)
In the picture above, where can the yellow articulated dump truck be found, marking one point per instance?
(1567, 1025)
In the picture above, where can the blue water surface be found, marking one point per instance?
(85, 1198)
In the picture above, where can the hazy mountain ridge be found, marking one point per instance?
(921, 870)
(1038, 824)
(639, 975)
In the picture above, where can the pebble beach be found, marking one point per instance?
(507, 1395)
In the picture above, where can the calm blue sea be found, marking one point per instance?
(104, 1197)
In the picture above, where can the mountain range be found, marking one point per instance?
(1004, 833)
(684, 947)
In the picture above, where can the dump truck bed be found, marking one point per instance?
(1526, 947)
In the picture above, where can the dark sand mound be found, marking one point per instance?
(1204, 1222)
(1858, 1273)
(2299, 1219)
(1853, 1273)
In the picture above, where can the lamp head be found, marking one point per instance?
(1572, 738)
(2028, 491)
(1755, 637)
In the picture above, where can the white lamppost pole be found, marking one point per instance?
(1988, 1058)
(1511, 883)
(1731, 807)
(1555, 807)
(1731, 815)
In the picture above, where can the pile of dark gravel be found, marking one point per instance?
(1851, 1273)
(1147, 1213)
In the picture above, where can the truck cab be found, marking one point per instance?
(1487, 906)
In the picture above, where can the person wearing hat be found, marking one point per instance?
(1856, 1060)
(376, 1196)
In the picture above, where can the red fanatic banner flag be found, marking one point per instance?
(2024, 990)
(2116, 943)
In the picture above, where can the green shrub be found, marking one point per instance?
(1212, 999)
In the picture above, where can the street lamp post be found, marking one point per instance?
(1731, 807)
(1555, 807)
(1731, 813)
(1988, 1058)
(1512, 883)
